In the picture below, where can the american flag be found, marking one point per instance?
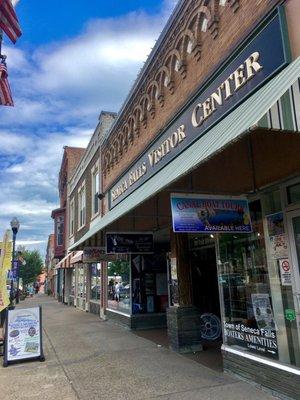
(5, 93)
(9, 20)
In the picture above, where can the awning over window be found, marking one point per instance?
(241, 120)
(65, 262)
(77, 257)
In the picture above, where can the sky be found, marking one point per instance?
(74, 59)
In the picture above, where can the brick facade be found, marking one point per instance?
(227, 26)
(83, 174)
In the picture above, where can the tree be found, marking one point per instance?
(119, 268)
(33, 266)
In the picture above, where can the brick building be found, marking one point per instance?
(50, 262)
(82, 280)
(203, 159)
(71, 157)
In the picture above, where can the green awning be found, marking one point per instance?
(238, 122)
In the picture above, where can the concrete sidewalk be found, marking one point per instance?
(87, 358)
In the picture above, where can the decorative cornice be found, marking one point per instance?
(194, 22)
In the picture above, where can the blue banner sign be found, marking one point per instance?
(209, 214)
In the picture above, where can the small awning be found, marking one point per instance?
(230, 129)
(65, 262)
(77, 257)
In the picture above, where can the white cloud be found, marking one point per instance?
(29, 242)
(59, 91)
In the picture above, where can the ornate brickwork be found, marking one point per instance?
(194, 30)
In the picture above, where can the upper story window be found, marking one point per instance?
(95, 189)
(81, 206)
(59, 231)
(71, 219)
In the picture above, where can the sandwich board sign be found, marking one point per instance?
(23, 335)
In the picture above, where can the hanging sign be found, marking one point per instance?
(205, 214)
(285, 272)
(23, 335)
(129, 243)
(96, 254)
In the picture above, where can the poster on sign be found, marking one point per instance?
(208, 214)
(23, 335)
(285, 272)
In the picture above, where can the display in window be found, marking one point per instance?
(149, 283)
(275, 224)
(278, 247)
(119, 286)
(249, 322)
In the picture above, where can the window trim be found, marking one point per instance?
(95, 171)
(72, 217)
(81, 192)
(60, 219)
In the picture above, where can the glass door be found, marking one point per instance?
(293, 313)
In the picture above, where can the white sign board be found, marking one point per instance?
(23, 336)
(285, 272)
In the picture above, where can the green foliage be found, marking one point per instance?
(120, 268)
(33, 267)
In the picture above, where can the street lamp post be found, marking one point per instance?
(15, 225)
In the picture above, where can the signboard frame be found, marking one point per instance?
(40, 356)
(99, 255)
(207, 213)
(129, 234)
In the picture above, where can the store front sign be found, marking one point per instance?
(255, 340)
(96, 255)
(129, 243)
(206, 214)
(257, 62)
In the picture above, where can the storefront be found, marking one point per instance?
(137, 293)
(220, 187)
(95, 288)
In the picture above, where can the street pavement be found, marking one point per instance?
(87, 358)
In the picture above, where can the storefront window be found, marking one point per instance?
(118, 296)
(81, 282)
(293, 194)
(95, 281)
(73, 282)
(149, 283)
(254, 296)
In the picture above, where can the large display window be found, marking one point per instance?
(255, 293)
(149, 283)
(81, 282)
(118, 289)
(73, 282)
(95, 281)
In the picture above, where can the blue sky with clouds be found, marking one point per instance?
(74, 59)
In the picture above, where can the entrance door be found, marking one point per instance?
(205, 280)
(293, 221)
